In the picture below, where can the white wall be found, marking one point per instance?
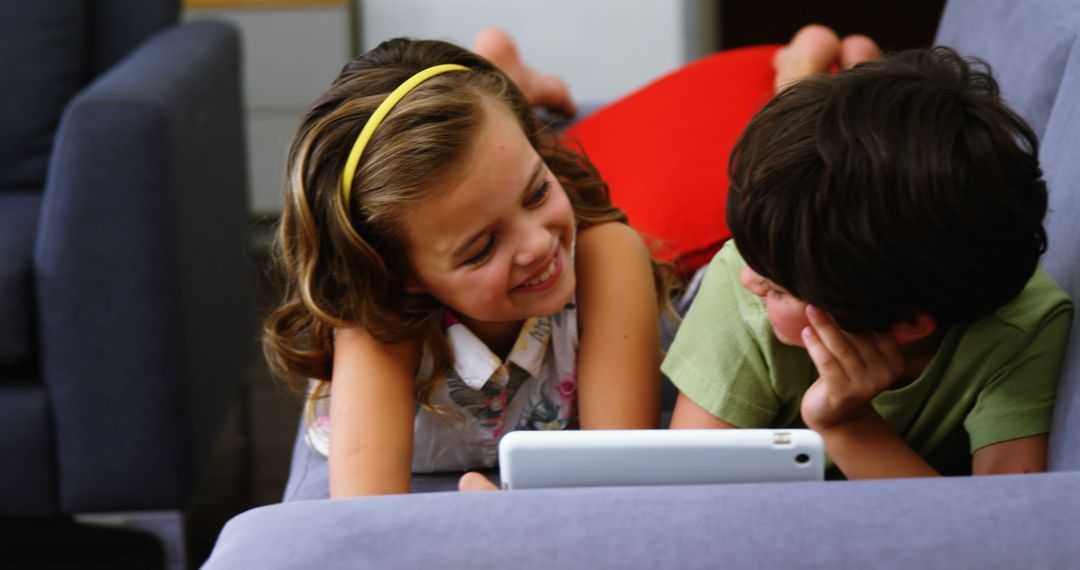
(290, 56)
(602, 48)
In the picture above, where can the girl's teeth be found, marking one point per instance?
(543, 276)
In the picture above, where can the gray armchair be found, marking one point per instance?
(1016, 521)
(126, 307)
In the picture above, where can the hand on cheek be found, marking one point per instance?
(473, 481)
(852, 370)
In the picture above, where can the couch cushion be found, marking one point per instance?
(1034, 50)
(28, 477)
(1062, 261)
(683, 127)
(18, 228)
(1024, 42)
(1026, 521)
(117, 26)
(42, 58)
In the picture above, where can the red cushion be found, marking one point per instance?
(663, 150)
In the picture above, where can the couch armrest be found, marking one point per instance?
(1024, 521)
(144, 289)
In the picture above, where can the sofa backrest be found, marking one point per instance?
(1033, 48)
(117, 26)
(49, 50)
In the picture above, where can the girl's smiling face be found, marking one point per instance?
(786, 312)
(495, 243)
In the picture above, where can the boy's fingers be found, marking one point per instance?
(827, 365)
(834, 339)
(890, 351)
(877, 352)
(867, 348)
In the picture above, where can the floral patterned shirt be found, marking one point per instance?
(486, 397)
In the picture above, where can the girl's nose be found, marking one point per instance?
(535, 244)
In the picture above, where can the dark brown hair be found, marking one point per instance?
(898, 186)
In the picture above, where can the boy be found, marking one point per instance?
(882, 285)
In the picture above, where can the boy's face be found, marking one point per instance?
(787, 313)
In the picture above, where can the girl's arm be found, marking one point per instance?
(371, 415)
(619, 353)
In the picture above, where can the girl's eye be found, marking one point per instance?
(537, 197)
(483, 253)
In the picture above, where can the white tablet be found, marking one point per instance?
(540, 459)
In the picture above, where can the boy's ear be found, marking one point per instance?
(919, 326)
(413, 287)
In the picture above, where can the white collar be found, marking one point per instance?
(476, 364)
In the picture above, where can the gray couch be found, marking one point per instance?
(125, 298)
(1023, 521)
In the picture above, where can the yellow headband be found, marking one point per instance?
(380, 113)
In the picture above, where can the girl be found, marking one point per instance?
(452, 272)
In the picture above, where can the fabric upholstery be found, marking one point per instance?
(137, 262)
(43, 65)
(125, 294)
(1060, 146)
(1034, 50)
(663, 150)
(28, 475)
(99, 219)
(309, 476)
(18, 229)
(117, 26)
(1024, 43)
(902, 524)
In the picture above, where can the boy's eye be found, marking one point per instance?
(537, 197)
(773, 291)
(483, 253)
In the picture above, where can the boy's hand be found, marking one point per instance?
(853, 370)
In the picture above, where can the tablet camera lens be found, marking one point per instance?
(802, 459)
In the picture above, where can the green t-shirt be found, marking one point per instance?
(990, 381)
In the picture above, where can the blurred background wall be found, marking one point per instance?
(603, 48)
(294, 48)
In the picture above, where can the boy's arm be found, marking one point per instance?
(1022, 455)
(853, 370)
(619, 352)
(721, 359)
(689, 415)
(371, 415)
(868, 448)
